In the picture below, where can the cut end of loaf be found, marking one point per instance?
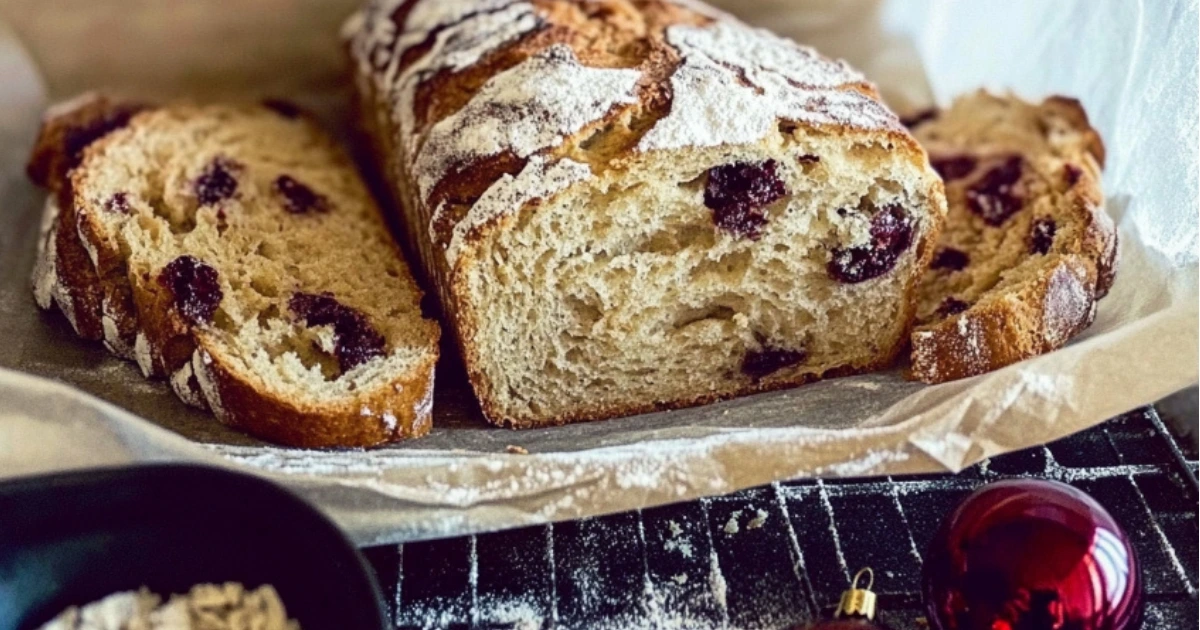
(725, 272)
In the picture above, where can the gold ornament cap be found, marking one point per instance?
(858, 602)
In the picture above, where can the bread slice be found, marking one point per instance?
(1027, 249)
(235, 250)
(635, 205)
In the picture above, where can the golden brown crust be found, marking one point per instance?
(1041, 313)
(400, 410)
(603, 34)
(65, 134)
(1058, 304)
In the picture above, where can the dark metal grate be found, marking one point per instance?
(780, 554)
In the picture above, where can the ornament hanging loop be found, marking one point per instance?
(858, 602)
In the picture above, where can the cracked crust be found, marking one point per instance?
(411, 81)
(1022, 303)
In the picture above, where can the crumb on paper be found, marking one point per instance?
(760, 517)
(516, 450)
(680, 579)
(731, 526)
(674, 528)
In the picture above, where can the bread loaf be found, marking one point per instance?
(235, 251)
(1027, 248)
(628, 205)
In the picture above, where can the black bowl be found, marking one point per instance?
(74, 538)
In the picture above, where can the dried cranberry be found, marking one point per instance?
(758, 364)
(891, 234)
(1071, 174)
(950, 258)
(117, 204)
(737, 193)
(284, 108)
(195, 287)
(355, 340)
(77, 138)
(298, 198)
(993, 197)
(918, 117)
(1041, 235)
(952, 306)
(952, 168)
(217, 181)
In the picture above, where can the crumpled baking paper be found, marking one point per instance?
(1133, 64)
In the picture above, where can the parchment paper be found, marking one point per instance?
(1133, 64)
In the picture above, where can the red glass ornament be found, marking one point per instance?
(1031, 555)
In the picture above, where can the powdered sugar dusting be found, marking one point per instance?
(538, 180)
(456, 46)
(525, 109)
(45, 271)
(1066, 306)
(729, 67)
(142, 354)
(184, 385)
(201, 368)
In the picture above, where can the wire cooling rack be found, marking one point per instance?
(782, 554)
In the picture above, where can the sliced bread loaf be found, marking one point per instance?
(235, 250)
(635, 205)
(1027, 248)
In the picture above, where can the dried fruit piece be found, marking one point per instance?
(758, 364)
(918, 117)
(956, 167)
(950, 258)
(299, 198)
(195, 286)
(355, 340)
(1071, 174)
(737, 193)
(117, 204)
(994, 197)
(283, 107)
(1041, 235)
(952, 306)
(891, 234)
(217, 181)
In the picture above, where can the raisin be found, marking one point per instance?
(284, 108)
(758, 364)
(891, 234)
(1041, 235)
(952, 168)
(950, 258)
(355, 340)
(298, 198)
(952, 306)
(737, 193)
(117, 204)
(217, 181)
(195, 287)
(1071, 174)
(993, 197)
(916, 118)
